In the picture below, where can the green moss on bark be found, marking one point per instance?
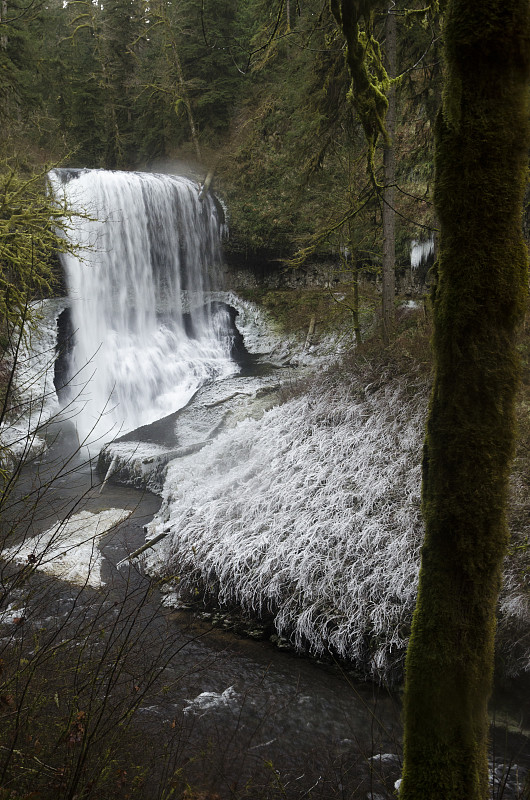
(482, 140)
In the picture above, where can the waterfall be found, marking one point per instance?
(420, 252)
(144, 339)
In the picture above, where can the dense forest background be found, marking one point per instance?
(256, 92)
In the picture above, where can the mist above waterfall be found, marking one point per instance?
(144, 338)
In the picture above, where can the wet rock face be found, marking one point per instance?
(228, 314)
(63, 348)
(238, 350)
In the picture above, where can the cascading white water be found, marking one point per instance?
(144, 340)
(420, 252)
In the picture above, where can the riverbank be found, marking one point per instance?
(309, 517)
(125, 695)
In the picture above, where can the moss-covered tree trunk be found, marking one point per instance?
(3, 24)
(482, 140)
(389, 167)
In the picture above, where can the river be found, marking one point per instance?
(225, 708)
(208, 708)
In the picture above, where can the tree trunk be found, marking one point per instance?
(389, 165)
(3, 27)
(481, 151)
(185, 97)
(355, 284)
(355, 311)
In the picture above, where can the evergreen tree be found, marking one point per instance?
(20, 65)
(195, 77)
(121, 25)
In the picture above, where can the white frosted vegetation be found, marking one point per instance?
(311, 513)
(18, 443)
(35, 364)
(34, 400)
(514, 609)
(69, 550)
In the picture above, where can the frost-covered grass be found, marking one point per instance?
(514, 623)
(310, 513)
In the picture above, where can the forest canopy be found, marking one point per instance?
(257, 92)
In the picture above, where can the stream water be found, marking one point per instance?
(226, 708)
(225, 712)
